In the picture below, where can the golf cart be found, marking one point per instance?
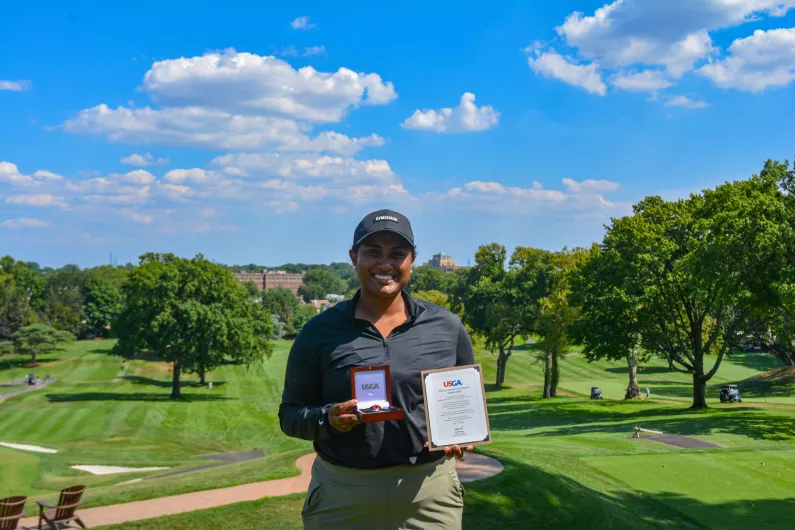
(596, 393)
(730, 394)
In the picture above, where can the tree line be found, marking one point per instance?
(683, 280)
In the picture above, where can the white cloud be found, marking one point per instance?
(43, 174)
(39, 200)
(136, 217)
(763, 60)
(25, 222)
(315, 50)
(143, 160)
(15, 86)
(207, 212)
(578, 199)
(195, 175)
(552, 64)
(127, 196)
(590, 186)
(673, 33)
(295, 167)
(211, 129)
(686, 102)
(10, 173)
(302, 23)
(466, 117)
(136, 177)
(649, 37)
(249, 83)
(645, 81)
(282, 206)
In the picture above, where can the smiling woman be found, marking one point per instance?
(376, 474)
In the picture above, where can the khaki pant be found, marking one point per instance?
(426, 497)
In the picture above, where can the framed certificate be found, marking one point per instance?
(371, 387)
(455, 407)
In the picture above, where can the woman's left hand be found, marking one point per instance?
(455, 450)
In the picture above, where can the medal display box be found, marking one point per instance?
(371, 388)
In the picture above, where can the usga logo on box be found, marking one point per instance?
(370, 386)
(456, 382)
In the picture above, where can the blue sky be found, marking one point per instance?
(253, 132)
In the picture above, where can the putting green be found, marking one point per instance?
(718, 489)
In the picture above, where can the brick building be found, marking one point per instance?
(270, 279)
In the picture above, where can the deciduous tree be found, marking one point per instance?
(607, 325)
(38, 339)
(487, 304)
(191, 313)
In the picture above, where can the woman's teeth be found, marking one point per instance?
(383, 277)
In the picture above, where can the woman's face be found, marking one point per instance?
(383, 264)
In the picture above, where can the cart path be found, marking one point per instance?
(25, 390)
(472, 467)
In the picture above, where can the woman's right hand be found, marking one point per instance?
(344, 416)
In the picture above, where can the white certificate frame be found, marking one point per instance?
(432, 445)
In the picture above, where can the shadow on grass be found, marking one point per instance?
(162, 383)
(735, 515)
(135, 396)
(491, 387)
(760, 361)
(524, 496)
(642, 370)
(576, 418)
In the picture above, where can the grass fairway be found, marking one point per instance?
(569, 462)
(103, 413)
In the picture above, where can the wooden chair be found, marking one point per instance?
(11, 511)
(65, 511)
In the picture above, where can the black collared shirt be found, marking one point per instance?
(318, 376)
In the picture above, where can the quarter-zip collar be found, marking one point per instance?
(414, 308)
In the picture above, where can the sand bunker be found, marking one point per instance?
(32, 448)
(112, 470)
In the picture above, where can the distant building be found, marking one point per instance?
(443, 263)
(321, 305)
(270, 279)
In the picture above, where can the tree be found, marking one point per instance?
(487, 305)
(685, 270)
(607, 325)
(282, 302)
(62, 306)
(191, 313)
(306, 312)
(26, 278)
(318, 283)
(252, 290)
(426, 278)
(312, 291)
(102, 304)
(37, 338)
(15, 310)
(434, 297)
(765, 220)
